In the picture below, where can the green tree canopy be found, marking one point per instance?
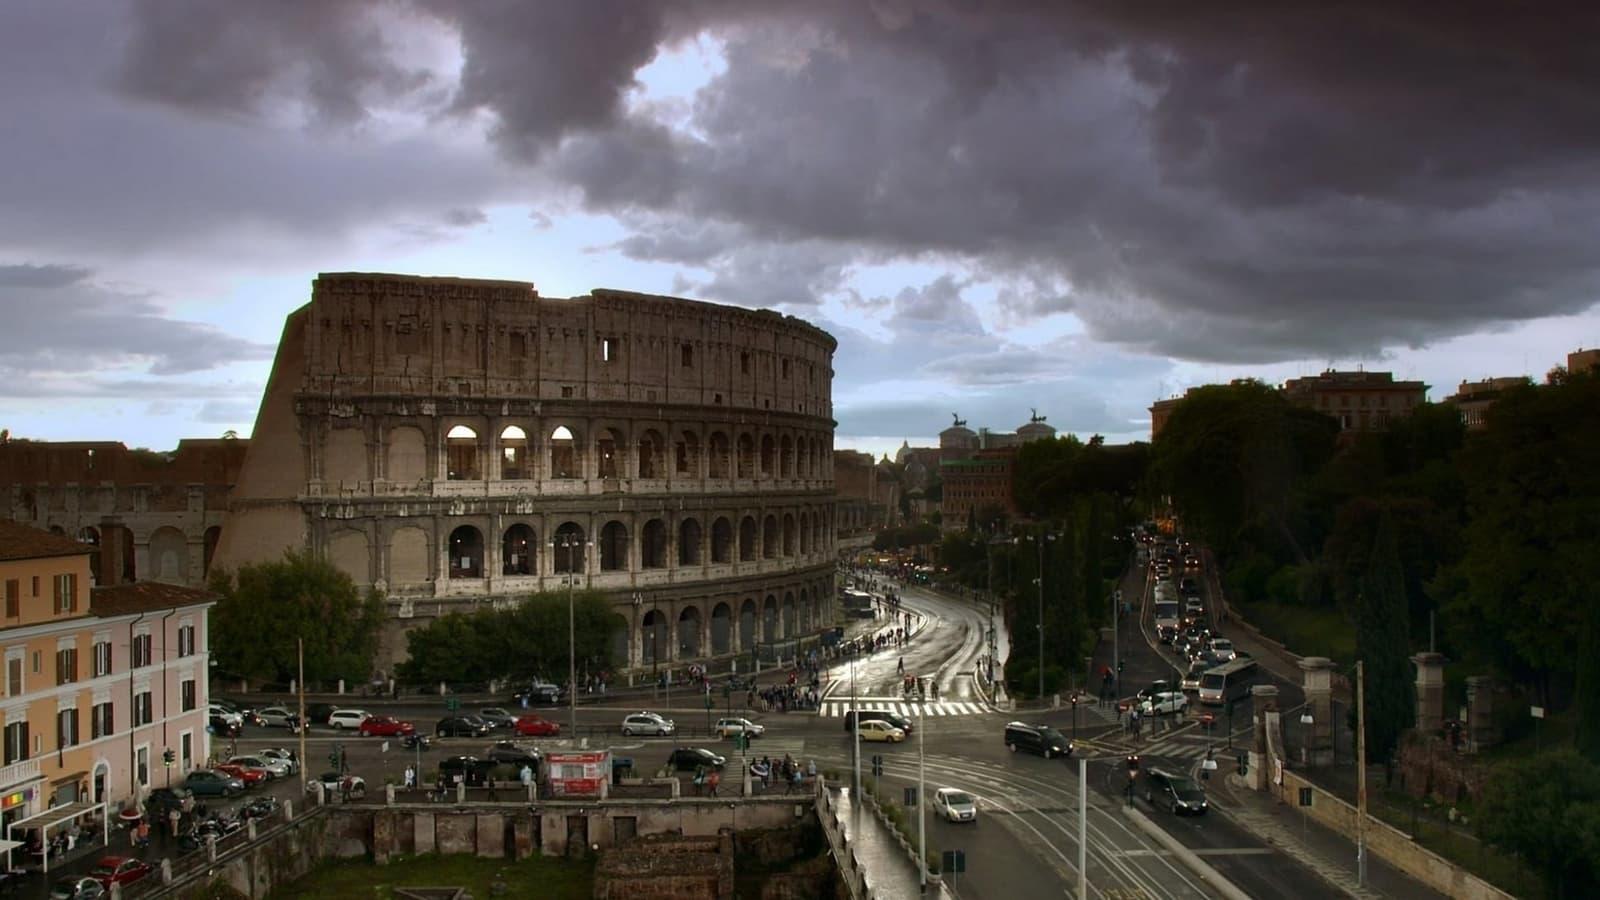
(521, 640)
(1383, 642)
(1547, 811)
(263, 609)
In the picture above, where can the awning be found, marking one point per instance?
(50, 818)
(75, 776)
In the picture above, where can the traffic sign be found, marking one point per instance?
(452, 704)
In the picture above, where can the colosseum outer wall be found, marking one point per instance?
(456, 441)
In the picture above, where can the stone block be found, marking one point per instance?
(423, 840)
(491, 835)
(455, 834)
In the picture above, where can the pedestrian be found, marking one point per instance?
(526, 774)
(143, 834)
(811, 770)
(411, 777)
(173, 818)
(713, 778)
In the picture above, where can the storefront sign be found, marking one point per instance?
(13, 800)
(578, 774)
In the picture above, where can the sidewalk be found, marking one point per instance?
(1283, 826)
(891, 875)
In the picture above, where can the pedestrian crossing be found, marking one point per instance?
(1183, 746)
(837, 709)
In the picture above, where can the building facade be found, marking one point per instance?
(99, 683)
(1473, 398)
(453, 441)
(1359, 401)
(977, 488)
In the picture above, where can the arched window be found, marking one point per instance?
(747, 539)
(747, 457)
(719, 455)
(564, 459)
(650, 455)
(466, 552)
(689, 543)
(614, 547)
(722, 541)
(653, 546)
(721, 629)
(518, 551)
(788, 534)
(687, 455)
(689, 633)
(769, 537)
(608, 450)
(768, 456)
(786, 457)
(461, 454)
(514, 454)
(567, 549)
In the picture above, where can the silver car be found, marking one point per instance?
(282, 755)
(276, 767)
(955, 805)
(279, 717)
(647, 723)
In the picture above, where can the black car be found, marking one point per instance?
(459, 726)
(538, 695)
(164, 800)
(507, 753)
(472, 770)
(687, 759)
(317, 713)
(246, 712)
(1175, 791)
(219, 725)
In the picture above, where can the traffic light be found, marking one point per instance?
(168, 757)
(877, 764)
(1133, 766)
(1121, 664)
(1244, 764)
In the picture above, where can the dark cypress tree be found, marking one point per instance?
(1587, 733)
(1383, 642)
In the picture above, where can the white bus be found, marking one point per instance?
(1228, 682)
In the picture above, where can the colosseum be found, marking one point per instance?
(456, 441)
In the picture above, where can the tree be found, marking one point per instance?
(526, 639)
(1587, 736)
(1546, 810)
(263, 609)
(1383, 642)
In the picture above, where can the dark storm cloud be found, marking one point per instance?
(78, 326)
(28, 275)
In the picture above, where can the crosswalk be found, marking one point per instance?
(1183, 746)
(837, 709)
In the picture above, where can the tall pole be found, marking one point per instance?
(1043, 536)
(1116, 660)
(1083, 829)
(300, 655)
(922, 805)
(855, 728)
(572, 639)
(1361, 774)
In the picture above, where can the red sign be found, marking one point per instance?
(578, 774)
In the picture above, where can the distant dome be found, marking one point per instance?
(1036, 431)
(901, 455)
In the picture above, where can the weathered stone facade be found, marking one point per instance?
(452, 441)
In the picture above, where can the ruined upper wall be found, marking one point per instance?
(374, 334)
(208, 461)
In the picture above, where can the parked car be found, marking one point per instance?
(1156, 687)
(648, 723)
(218, 711)
(509, 753)
(223, 725)
(1164, 703)
(687, 759)
(248, 776)
(333, 782)
(347, 718)
(77, 887)
(955, 805)
(119, 870)
(279, 717)
(459, 726)
(535, 726)
(540, 693)
(385, 726)
(277, 768)
(727, 728)
(283, 755)
(471, 769)
(164, 800)
(317, 713)
(208, 783)
(247, 711)
(879, 730)
(497, 717)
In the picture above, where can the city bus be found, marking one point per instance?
(1228, 682)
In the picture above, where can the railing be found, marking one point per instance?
(26, 770)
(198, 865)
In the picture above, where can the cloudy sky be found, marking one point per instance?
(1078, 207)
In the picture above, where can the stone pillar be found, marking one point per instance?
(1430, 692)
(1264, 700)
(1481, 733)
(1318, 736)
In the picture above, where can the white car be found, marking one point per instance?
(277, 768)
(648, 723)
(955, 805)
(226, 715)
(279, 717)
(727, 728)
(879, 730)
(283, 755)
(1164, 702)
(1220, 650)
(348, 718)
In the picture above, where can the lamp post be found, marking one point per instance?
(1361, 774)
(1041, 539)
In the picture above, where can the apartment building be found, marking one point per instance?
(99, 683)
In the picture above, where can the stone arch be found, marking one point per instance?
(689, 633)
(614, 547)
(817, 541)
(461, 454)
(515, 459)
(208, 548)
(747, 539)
(720, 458)
(747, 624)
(721, 629)
(655, 634)
(747, 456)
(805, 533)
(769, 456)
(650, 454)
(466, 552)
(769, 619)
(408, 556)
(653, 545)
(789, 539)
(407, 455)
(519, 550)
(791, 626)
(169, 556)
(769, 537)
(345, 458)
(805, 612)
(689, 536)
(816, 610)
(351, 553)
(686, 455)
(567, 549)
(802, 463)
(722, 540)
(620, 639)
(610, 448)
(786, 457)
(566, 453)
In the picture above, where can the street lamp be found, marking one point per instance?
(1307, 736)
(1041, 539)
(570, 541)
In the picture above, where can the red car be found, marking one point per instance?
(119, 870)
(536, 726)
(386, 726)
(250, 777)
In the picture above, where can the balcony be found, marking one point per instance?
(19, 772)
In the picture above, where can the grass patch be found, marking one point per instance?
(1304, 630)
(553, 879)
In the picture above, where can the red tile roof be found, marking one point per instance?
(143, 596)
(19, 541)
